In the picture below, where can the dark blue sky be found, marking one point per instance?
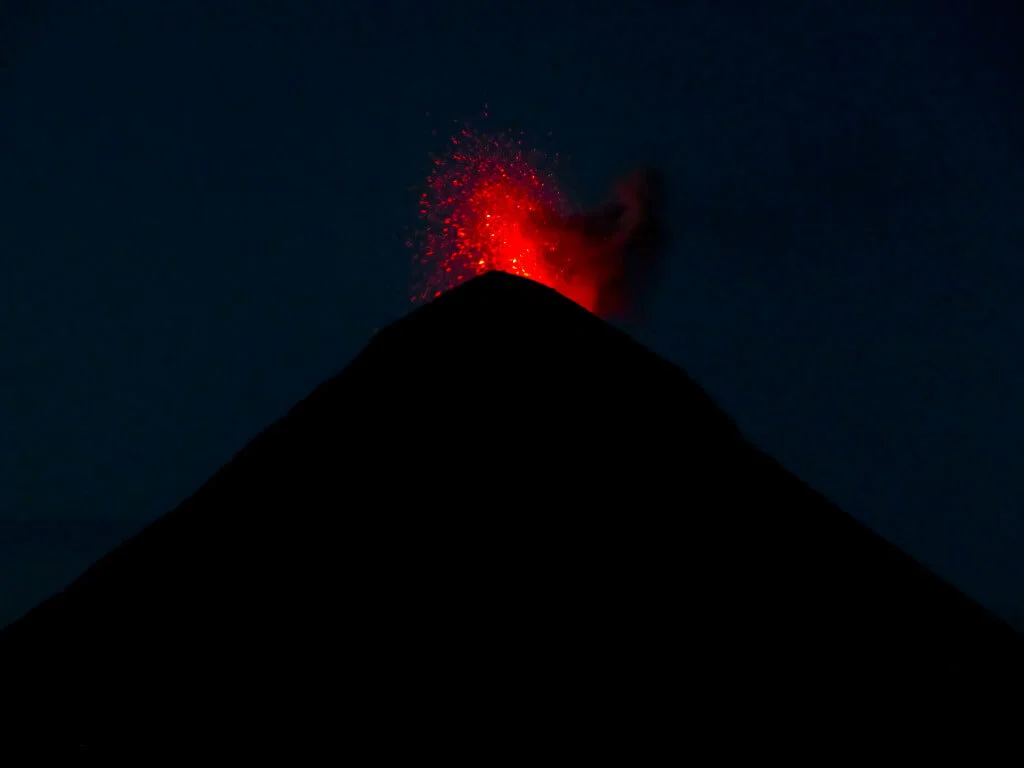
(203, 206)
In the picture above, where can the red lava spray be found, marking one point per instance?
(492, 205)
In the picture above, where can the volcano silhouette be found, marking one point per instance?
(503, 528)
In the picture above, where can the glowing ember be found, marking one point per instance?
(490, 205)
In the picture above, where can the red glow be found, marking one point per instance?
(489, 205)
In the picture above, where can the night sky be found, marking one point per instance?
(204, 208)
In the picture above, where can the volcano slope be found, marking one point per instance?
(503, 528)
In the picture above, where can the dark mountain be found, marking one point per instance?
(504, 528)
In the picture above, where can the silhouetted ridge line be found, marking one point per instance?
(503, 526)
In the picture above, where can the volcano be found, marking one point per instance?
(504, 528)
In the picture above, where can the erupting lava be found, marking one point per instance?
(490, 206)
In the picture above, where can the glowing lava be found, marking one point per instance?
(490, 205)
